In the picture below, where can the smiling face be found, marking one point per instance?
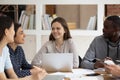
(57, 31)
(19, 38)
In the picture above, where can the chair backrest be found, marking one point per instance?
(80, 60)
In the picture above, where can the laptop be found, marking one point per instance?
(57, 62)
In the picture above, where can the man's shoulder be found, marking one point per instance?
(99, 37)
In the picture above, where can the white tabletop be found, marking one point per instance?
(79, 74)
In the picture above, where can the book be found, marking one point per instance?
(25, 22)
(22, 17)
(71, 25)
(46, 22)
(31, 24)
(44, 25)
(91, 23)
(54, 16)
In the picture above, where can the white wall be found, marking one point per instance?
(29, 47)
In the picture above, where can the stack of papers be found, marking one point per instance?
(78, 74)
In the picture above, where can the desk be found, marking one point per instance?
(80, 74)
(105, 75)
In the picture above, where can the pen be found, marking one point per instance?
(93, 74)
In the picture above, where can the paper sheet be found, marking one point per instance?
(79, 74)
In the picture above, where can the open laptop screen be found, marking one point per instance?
(53, 62)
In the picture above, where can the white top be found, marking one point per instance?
(5, 62)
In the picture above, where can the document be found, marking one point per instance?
(79, 74)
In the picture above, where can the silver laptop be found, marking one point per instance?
(54, 62)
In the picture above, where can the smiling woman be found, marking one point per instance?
(20, 65)
(7, 36)
(17, 54)
(60, 41)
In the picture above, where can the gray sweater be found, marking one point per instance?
(50, 47)
(100, 48)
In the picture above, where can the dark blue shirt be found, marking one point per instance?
(20, 64)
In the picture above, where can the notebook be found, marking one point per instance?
(57, 62)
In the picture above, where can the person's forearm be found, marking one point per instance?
(23, 73)
(86, 64)
(25, 78)
(13, 76)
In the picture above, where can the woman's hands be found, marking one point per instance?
(38, 73)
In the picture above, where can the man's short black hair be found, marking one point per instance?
(115, 19)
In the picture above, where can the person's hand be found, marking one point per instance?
(113, 69)
(35, 69)
(99, 64)
(109, 62)
(107, 58)
(39, 75)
